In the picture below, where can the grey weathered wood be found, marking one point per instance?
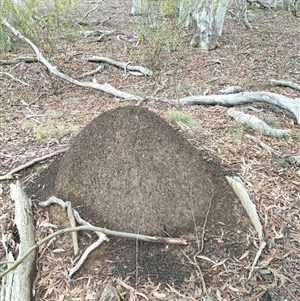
(290, 104)
(17, 284)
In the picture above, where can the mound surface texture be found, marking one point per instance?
(129, 170)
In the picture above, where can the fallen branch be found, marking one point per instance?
(18, 284)
(89, 73)
(52, 69)
(9, 175)
(256, 123)
(291, 159)
(263, 5)
(91, 10)
(285, 84)
(289, 104)
(154, 239)
(15, 79)
(96, 33)
(125, 66)
(101, 237)
(104, 34)
(19, 60)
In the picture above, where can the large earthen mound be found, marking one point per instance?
(129, 170)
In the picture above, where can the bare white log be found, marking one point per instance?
(10, 174)
(52, 69)
(256, 123)
(291, 159)
(17, 285)
(122, 65)
(289, 104)
(285, 84)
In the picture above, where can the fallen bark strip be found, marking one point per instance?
(10, 174)
(289, 104)
(291, 159)
(125, 66)
(285, 84)
(73, 225)
(52, 69)
(17, 285)
(242, 193)
(256, 124)
(19, 60)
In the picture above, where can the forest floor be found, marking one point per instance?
(44, 117)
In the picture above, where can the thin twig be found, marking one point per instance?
(154, 239)
(15, 79)
(9, 175)
(91, 10)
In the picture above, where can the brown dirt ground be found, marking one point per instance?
(245, 58)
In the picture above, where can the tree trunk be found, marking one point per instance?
(287, 5)
(209, 19)
(272, 3)
(136, 7)
(185, 9)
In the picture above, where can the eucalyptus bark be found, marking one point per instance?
(208, 18)
(136, 7)
(17, 284)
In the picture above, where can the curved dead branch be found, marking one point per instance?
(125, 66)
(285, 84)
(289, 104)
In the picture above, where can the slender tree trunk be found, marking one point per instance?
(185, 9)
(272, 3)
(287, 4)
(209, 19)
(136, 7)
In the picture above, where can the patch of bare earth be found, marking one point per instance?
(44, 117)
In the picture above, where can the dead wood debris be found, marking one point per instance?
(10, 175)
(105, 87)
(256, 124)
(101, 233)
(125, 66)
(19, 60)
(291, 159)
(17, 284)
(285, 84)
(292, 105)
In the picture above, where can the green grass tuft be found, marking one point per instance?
(182, 119)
